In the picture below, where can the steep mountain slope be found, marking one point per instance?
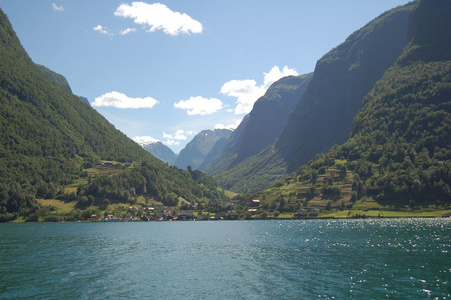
(198, 148)
(262, 126)
(399, 152)
(342, 78)
(48, 136)
(61, 80)
(160, 151)
(58, 78)
(323, 116)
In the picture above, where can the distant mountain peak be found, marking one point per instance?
(200, 146)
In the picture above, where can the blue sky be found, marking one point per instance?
(167, 70)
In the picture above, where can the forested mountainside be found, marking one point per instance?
(323, 115)
(399, 152)
(48, 136)
(61, 80)
(198, 148)
(160, 151)
(58, 78)
(262, 126)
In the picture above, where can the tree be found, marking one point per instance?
(171, 199)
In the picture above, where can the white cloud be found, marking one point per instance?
(127, 31)
(171, 143)
(119, 100)
(247, 91)
(57, 8)
(230, 126)
(102, 30)
(199, 105)
(173, 139)
(158, 16)
(143, 140)
(178, 135)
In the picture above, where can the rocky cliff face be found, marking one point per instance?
(323, 117)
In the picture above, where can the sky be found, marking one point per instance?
(167, 70)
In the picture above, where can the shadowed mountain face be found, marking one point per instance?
(262, 126)
(197, 150)
(399, 150)
(323, 115)
(342, 78)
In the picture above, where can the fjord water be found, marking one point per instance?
(292, 259)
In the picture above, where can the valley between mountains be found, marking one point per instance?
(366, 134)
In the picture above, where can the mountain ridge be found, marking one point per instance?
(323, 115)
(262, 125)
(198, 148)
(50, 139)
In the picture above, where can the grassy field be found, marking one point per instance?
(58, 204)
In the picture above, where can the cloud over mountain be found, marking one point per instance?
(173, 139)
(158, 16)
(120, 100)
(247, 92)
(145, 140)
(230, 126)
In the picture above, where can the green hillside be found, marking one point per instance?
(58, 78)
(399, 152)
(323, 115)
(49, 137)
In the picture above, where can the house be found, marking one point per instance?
(252, 210)
(182, 215)
(314, 212)
(255, 203)
(111, 218)
(302, 212)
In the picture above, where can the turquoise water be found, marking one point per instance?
(299, 259)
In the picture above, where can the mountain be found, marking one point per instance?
(61, 80)
(49, 138)
(160, 151)
(58, 78)
(398, 155)
(323, 115)
(263, 124)
(198, 148)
